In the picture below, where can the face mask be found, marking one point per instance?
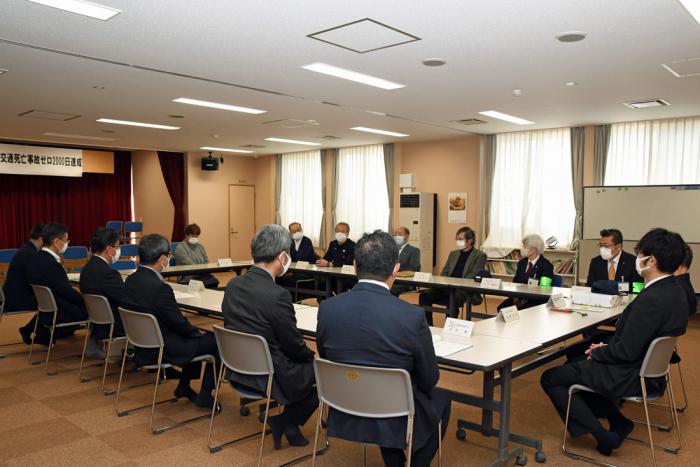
(605, 253)
(115, 258)
(638, 265)
(296, 236)
(166, 265)
(285, 266)
(461, 244)
(341, 237)
(65, 247)
(193, 240)
(524, 252)
(399, 240)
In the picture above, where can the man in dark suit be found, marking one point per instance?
(370, 327)
(302, 249)
(613, 264)
(146, 292)
(18, 290)
(532, 267)
(254, 304)
(341, 252)
(98, 277)
(465, 262)
(612, 368)
(409, 258)
(683, 279)
(46, 269)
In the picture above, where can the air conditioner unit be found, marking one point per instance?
(417, 212)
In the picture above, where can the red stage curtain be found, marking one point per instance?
(82, 203)
(172, 164)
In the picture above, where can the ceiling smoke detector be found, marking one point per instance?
(571, 36)
(434, 62)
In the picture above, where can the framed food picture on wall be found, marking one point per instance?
(457, 208)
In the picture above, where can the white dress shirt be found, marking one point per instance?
(58, 258)
(370, 281)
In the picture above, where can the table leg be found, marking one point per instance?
(329, 286)
(487, 415)
(452, 307)
(504, 424)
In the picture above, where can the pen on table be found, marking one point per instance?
(581, 313)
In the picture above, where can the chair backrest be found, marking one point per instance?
(141, 329)
(364, 391)
(136, 227)
(658, 355)
(124, 265)
(98, 309)
(173, 246)
(115, 225)
(44, 298)
(557, 280)
(7, 255)
(129, 250)
(243, 353)
(75, 252)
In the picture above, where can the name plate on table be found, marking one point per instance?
(533, 281)
(491, 283)
(458, 327)
(301, 265)
(623, 287)
(348, 269)
(222, 262)
(422, 276)
(195, 287)
(557, 300)
(509, 314)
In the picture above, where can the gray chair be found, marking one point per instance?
(655, 365)
(366, 392)
(9, 313)
(47, 304)
(246, 354)
(142, 331)
(100, 313)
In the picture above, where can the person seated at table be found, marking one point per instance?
(341, 251)
(464, 262)
(98, 277)
(254, 304)
(613, 263)
(18, 290)
(190, 251)
(46, 269)
(368, 326)
(409, 258)
(302, 249)
(683, 279)
(532, 267)
(146, 292)
(612, 368)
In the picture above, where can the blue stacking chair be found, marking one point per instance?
(557, 281)
(173, 247)
(75, 258)
(129, 250)
(133, 227)
(124, 264)
(115, 225)
(7, 255)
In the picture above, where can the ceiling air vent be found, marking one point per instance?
(252, 146)
(469, 121)
(44, 115)
(329, 137)
(647, 104)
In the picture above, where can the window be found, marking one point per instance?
(301, 192)
(532, 190)
(362, 197)
(654, 152)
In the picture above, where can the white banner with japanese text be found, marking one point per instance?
(38, 160)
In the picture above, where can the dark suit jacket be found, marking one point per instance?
(368, 326)
(684, 281)
(409, 258)
(18, 291)
(598, 270)
(99, 278)
(475, 263)
(659, 310)
(340, 254)
(306, 251)
(147, 293)
(254, 304)
(542, 268)
(45, 270)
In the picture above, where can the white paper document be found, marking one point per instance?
(74, 276)
(182, 295)
(436, 337)
(444, 348)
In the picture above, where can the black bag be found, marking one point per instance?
(605, 287)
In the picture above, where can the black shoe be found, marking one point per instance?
(277, 428)
(208, 403)
(185, 392)
(42, 336)
(171, 373)
(26, 335)
(295, 436)
(623, 428)
(607, 442)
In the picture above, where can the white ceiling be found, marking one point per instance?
(491, 48)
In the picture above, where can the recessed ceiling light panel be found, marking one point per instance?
(216, 105)
(684, 68)
(571, 83)
(292, 141)
(2, 71)
(352, 76)
(506, 117)
(140, 124)
(379, 132)
(571, 36)
(209, 148)
(81, 7)
(647, 104)
(693, 7)
(86, 137)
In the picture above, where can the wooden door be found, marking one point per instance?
(241, 220)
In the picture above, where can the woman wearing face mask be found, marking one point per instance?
(190, 251)
(531, 268)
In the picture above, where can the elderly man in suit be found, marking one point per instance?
(370, 327)
(613, 264)
(409, 258)
(533, 266)
(146, 292)
(612, 367)
(254, 304)
(465, 262)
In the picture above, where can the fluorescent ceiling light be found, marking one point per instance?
(145, 125)
(81, 7)
(693, 7)
(91, 138)
(208, 148)
(506, 117)
(379, 132)
(2, 71)
(352, 76)
(292, 141)
(216, 105)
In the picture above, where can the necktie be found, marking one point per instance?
(529, 268)
(611, 271)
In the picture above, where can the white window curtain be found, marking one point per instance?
(654, 152)
(532, 189)
(301, 192)
(363, 200)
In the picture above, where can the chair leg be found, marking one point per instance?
(364, 455)
(267, 410)
(213, 410)
(409, 444)
(48, 354)
(685, 395)
(155, 389)
(646, 413)
(318, 427)
(31, 346)
(119, 387)
(674, 415)
(440, 443)
(82, 358)
(109, 349)
(572, 454)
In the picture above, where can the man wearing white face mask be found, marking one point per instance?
(254, 304)
(341, 251)
(301, 249)
(409, 258)
(190, 251)
(532, 267)
(613, 264)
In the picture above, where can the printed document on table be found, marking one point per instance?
(444, 348)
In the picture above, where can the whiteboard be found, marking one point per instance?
(635, 210)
